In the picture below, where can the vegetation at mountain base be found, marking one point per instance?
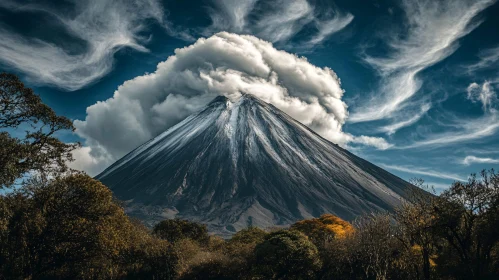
(62, 224)
(323, 229)
(286, 254)
(176, 230)
(70, 228)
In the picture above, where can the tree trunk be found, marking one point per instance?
(426, 264)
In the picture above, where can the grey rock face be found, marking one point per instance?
(241, 163)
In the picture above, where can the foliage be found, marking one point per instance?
(231, 259)
(176, 229)
(39, 150)
(70, 228)
(323, 229)
(250, 235)
(148, 257)
(467, 220)
(286, 254)
(242, 244)
(211, 266)
(451, 236)
(416, 231)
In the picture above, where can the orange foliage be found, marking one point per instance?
(339, 227)
(323, 228)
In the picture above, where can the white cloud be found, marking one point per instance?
(484, 94)
(468, 130)
(231, 15)
(425, 172)
(431, 33)
(224, 64)
(286, 19)
(90, 162)
(328, 27)
(439, 187)
(487, 58)
(473, 159)
(394, 127)
(103, 27)
(377, 142)
(277, 21)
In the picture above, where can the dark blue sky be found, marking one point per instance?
(420, 78)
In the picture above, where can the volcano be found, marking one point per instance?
(246, 163)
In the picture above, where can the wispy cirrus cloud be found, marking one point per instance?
(473, 159)
(330, 26)
(102, 26)
(465, 129)
(395, 126)
(438, 187)
(230, 15)
(277, 21)
(425, 172)
(469, 130)
(431, 34)
(487, 58)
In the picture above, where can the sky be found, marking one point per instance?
(411, 86)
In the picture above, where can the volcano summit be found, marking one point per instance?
(244, 162)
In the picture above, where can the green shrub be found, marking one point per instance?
(286, 254)
(176, 229)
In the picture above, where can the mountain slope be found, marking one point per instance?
(243, 163)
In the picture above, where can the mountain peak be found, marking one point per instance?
(219, 99)
(245, 162)
(237, 98)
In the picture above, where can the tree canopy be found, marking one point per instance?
(177, 229)
(324, 228)
(286, 254)
(39, 150)
(71, 228)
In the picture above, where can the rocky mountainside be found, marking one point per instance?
(245, 162)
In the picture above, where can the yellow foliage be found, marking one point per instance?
(339, 227)
(325, 227)
(416, 248)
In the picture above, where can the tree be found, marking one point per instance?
(71, 228)
(467, 218)
(372, 251)
(148, 257)
(176, 229)
(323, 229)
(66, 225)
(286, 254)
(250, 235)
(39, 150)
(376, 247)
(241, 246)
(416, 220)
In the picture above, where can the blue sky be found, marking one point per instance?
(419, 79)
